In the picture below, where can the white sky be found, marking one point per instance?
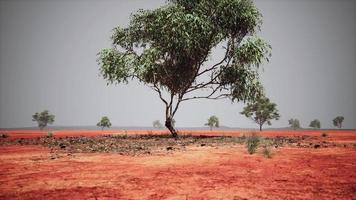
(48, 61)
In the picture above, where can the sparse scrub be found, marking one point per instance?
(252, 143)
(4, 135)
(266, 148)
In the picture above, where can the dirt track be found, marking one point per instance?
(28, 172)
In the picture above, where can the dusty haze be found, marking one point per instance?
(48, 61)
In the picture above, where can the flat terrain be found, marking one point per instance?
(310, 167)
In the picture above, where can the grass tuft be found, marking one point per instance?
(252, 143)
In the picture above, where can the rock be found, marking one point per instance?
(62, 146)
(169, 148)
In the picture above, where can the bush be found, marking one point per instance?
(252, 143)
(267, 151)
(324, 135)
(4, 135)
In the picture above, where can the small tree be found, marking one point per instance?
(337, 121)
(157, 124)
(104, 122)
(43, 118)
(169, 48)
(294, 123)
(315, 123)
(261, 111)
(213, 121)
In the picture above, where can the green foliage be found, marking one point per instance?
(252, 143)
(294, 123)
(43, 118)
(261, 111)
(157, 124)
(169, 48)
(104, 122)
(213, 121)
(315, 123)
(337, 121)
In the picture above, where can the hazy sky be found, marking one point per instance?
(48, 61)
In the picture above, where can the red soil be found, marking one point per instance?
(27, 172)
(346, 136)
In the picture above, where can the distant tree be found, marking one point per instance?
(104, 122)
(315, 123)
(169, 49)
(337, 121)
(261, 111)
(157, 124)
(294, 123)
(213, 121)
(43, 118)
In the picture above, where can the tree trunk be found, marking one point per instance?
(211, 128)
(171, 129)
(260, 127)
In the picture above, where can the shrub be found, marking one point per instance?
(267, 152)
(324, 135)
(4, 135)
(252, 143)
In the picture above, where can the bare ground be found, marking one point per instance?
(219, 169)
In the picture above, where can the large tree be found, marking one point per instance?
(315, 123)
(261, 111)
(337, 121)
(168, 49)
(43, 118)
(213, 121)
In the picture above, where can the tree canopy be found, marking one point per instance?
(315, 123)
(157, 124)
(337, 121)
(168, 49)
(43, 118)
(213, 121)
(294, 123)
(104, 122)
(261, 111)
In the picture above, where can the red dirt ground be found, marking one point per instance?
(341, 136)
(27, 172)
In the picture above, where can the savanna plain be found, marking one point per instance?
(117, 164)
